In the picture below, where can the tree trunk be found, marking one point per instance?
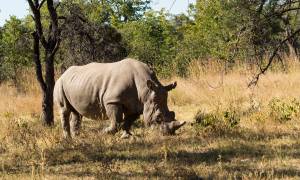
(46, 85)
(50, 45)
(47, 108)
(47, 103)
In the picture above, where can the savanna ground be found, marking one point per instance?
(234, 132)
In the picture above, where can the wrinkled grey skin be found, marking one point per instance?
(120, 91)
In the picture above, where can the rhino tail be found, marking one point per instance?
(59, 95)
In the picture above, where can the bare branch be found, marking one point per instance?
(32, 17)
(57, 5)
(56, 47)
(284, 11)
(36, 3)
(54, 24)
(255, 80)
(41, 4)
(31, 4)
(53, 14)
(61, 17)
(220, 83)
(37, 20)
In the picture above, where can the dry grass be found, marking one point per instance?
(259, 147)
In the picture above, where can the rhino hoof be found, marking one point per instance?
(109, 130)
(126, 135)
(75, 134)
(67, 135)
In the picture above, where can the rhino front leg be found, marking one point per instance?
(128, 121)
(75, 123)
(115, 115)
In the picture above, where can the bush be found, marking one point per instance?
(15, 49)
(206, 119)
(284, 111)
(231, 118)
(225, 120)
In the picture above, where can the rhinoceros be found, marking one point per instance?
(120, 91)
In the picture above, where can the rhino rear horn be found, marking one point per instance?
(171, 86)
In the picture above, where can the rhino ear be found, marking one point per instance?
(171, 86)
(151, 84)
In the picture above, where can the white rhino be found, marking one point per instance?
(120, 91)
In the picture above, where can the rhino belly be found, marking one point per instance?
(91, 110)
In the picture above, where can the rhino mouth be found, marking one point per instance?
(169, 128)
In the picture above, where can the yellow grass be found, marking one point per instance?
(260, 147)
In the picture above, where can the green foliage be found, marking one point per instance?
(84, 41)
(230, 31)
(113, 12)
(225, 120)
(231, 118)
(215, 33)
(284, 111)
(152, 40)
(15, 48)
(206, 119)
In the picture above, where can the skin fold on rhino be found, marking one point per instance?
(121, 91)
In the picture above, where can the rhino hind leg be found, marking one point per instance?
(115, 115)
(128, 121)
(75, 123)
(65, 122)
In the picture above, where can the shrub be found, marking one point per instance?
(224, 120)
(231, 118)
(283, 111)
(205, 119)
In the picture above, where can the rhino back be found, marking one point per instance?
(91, 87)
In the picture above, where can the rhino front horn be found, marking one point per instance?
(178, 124)
(169, 128)
(171, 86)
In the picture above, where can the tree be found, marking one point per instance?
(275, 31)
(2, 75)
(84, 41)
(211, 31)
(152, 40)
(248, 31)
(50, 42)
(125, 11)
(113, 12)
(15, 47)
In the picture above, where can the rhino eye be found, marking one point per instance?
(155, 97)
(159, 118)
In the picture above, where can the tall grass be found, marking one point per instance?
(210, 87)
(24, 99)
(261, 141)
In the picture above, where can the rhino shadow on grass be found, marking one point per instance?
(123, 152)
(186, 151)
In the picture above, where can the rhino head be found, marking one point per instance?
(156, 109)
